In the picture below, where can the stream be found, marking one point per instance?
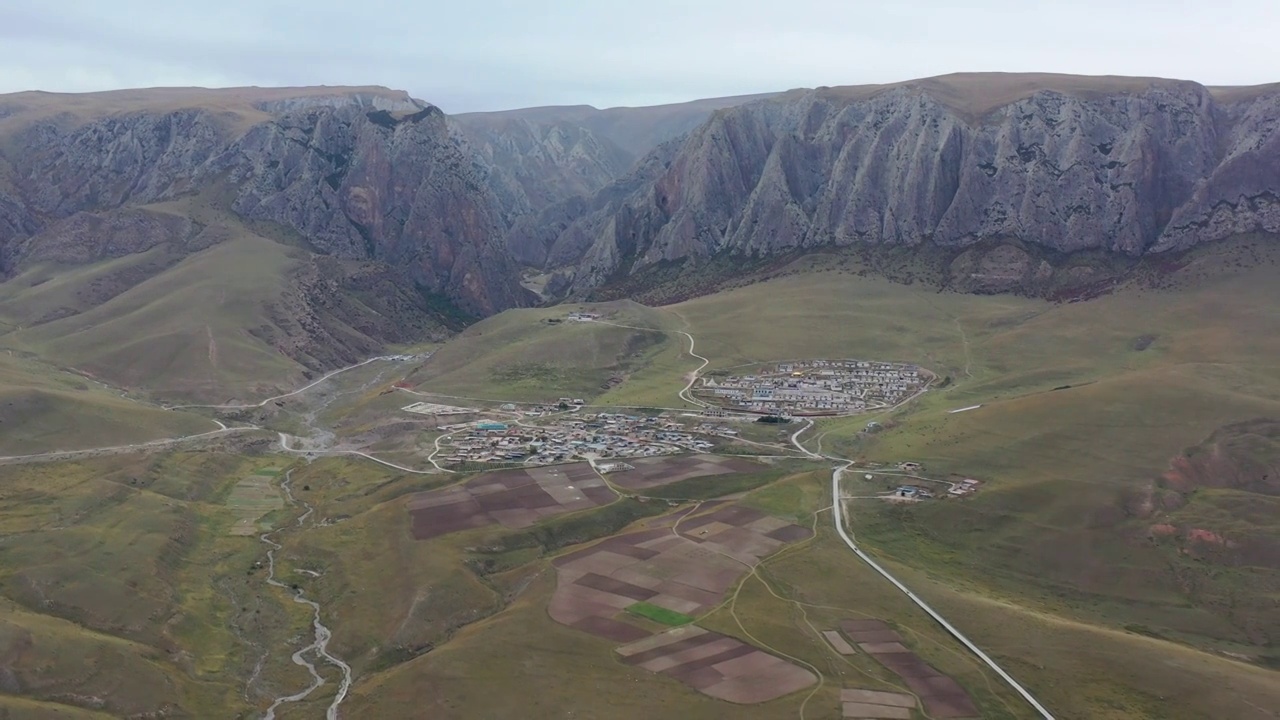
(322, 634)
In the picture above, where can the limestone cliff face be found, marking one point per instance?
(1149, 167)
(361, 175)
(544, 163)
(534, 164)
(104, 164)
(371, 185)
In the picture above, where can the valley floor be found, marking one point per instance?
(289, 561)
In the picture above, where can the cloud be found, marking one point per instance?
(490, 54)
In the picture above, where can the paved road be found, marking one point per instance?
(837, 513)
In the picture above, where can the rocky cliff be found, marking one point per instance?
(374, 185)
(534, 164)
(1129, 166)
(1000, 171)
(365, 174)
(535, 159)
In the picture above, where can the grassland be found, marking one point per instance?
(519, 356)
(44, 408)
(183, 332)
(118, 581)
(251, 499)
(1084, 405)
(125, 566)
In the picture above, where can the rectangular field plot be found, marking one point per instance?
(717, 665)
(251, 499)
(659, 614)
(514, 498)
(876, 705)
(941, 696)
(682, 567)
(658, 471)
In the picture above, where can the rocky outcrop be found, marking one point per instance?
(558, 235)
(336, 312)
(373, 185)
(392, 101)
(90, 237)
(536, 157)
(532, 165)
(1241, 194)
(359, 175)
(1149, 167)
(104, 164)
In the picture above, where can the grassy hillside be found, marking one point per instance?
(1101, 422)
(116, 585)
(184, 332)
(43, 408)
(1084, 407)
(518, 355)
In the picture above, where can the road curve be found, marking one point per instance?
(302, 389)
(686, 393)
(284, 445)
(693, 377)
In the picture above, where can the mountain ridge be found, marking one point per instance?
(896, 165)
(1010, 176)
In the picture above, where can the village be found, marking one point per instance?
(574, 435)
(815, 387)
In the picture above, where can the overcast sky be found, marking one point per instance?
(494, 54)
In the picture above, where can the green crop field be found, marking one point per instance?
(659, 614)
(250, 500)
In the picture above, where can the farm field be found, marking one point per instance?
(251, 499)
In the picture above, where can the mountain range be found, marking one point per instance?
(387, 221)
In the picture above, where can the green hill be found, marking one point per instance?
(43, 409)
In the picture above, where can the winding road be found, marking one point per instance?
(322, 634)
(838, 517)
(284, 445)
(685, 393)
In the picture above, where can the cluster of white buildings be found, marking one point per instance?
(600, 435)
(815, 387)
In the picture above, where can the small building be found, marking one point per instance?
(491, 426)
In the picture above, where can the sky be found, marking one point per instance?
(496, 54)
